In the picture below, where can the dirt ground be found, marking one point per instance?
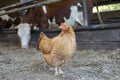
(22, 64)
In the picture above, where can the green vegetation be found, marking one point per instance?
(108, 7)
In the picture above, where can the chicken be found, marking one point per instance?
(58, 50)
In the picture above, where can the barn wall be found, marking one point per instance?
(100, 39)
(8, 40)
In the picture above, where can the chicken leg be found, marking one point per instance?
(58, 71)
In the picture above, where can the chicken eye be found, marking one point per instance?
(64, 25)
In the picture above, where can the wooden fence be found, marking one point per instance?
(107, 38)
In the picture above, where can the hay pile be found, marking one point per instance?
(21, 64)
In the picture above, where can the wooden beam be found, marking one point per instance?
(30, 6)
(14, 5)
(99, 15)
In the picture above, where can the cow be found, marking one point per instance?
(5, 21)
(9, 20)
(69, 11)
(61, 11)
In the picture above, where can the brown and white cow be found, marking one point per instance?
(69, 11)
(9, 20)
(62, 11)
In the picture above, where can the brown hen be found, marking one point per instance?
(58, 50)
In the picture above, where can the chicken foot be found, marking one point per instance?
(58, 71)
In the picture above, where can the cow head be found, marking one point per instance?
(76, 16)
(24, 34)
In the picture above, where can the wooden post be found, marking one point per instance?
(98, 12)
(85, 13)
(30, 6)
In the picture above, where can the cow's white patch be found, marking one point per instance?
(75, 16)
(24, 34)
(44, 9)
(69, 21)
(5, 17)
(78, 4)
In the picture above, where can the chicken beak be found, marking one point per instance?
(61, 25)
